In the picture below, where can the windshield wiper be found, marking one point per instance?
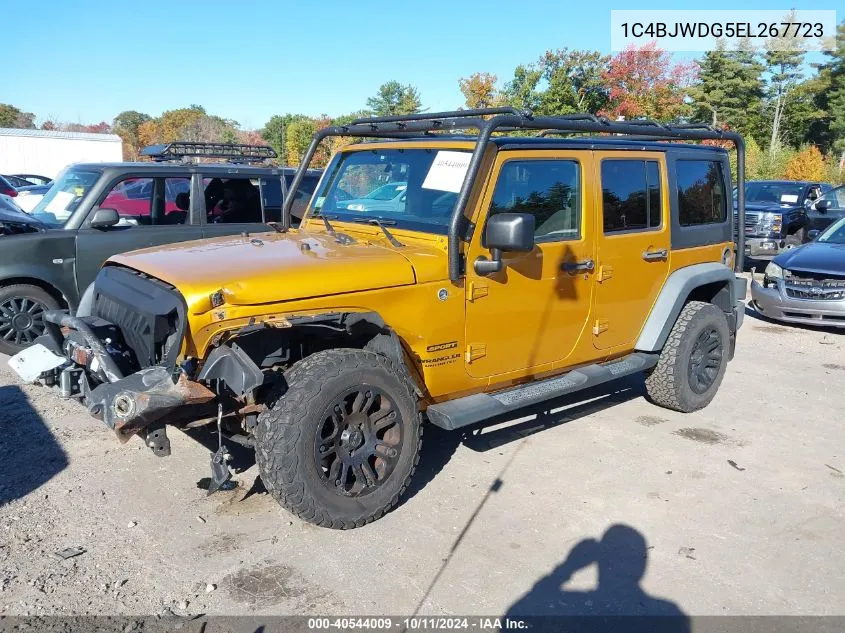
(381, 224)
(340, 238)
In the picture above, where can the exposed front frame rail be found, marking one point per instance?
(489, 120)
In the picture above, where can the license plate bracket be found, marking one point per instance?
(30, 363)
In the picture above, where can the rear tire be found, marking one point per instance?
(339, 443)
(693, 360)
(22, 308)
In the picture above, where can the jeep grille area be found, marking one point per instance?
(149, 313)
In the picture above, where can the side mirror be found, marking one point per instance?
(813, 233)
(823, 205)
(505, 232)
(104, 218)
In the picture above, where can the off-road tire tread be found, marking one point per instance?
(279, 427)
(663, 385)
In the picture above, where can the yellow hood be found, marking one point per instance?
(273, 267)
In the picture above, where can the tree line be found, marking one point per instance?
(791, 114)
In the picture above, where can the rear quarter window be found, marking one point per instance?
(702, 197)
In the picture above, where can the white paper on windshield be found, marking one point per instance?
(59, 202)
(789, 197)
(447, 171)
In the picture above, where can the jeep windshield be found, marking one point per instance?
(407, 188)
(65, 194)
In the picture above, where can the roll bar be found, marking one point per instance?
(489, 120)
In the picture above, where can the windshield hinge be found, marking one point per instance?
(469, 229)
(475, 351)
(476, 290)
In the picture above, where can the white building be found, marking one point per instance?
(46, 153)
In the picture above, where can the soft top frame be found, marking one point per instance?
(504, 119)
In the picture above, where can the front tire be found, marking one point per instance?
(339, 443)
(22, 308)
(692, 362)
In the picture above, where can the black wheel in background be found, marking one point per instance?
(22, 309)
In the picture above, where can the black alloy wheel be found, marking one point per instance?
(358, 442)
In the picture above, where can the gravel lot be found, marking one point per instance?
(737, 509)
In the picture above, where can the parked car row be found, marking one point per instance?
(27, 188)
(780, 214)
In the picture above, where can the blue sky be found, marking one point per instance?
(86, 61)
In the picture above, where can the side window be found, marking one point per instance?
(630, 195)
(132, 198)
(271, 198)
(177, 200)
(550, 190)
(232, 200)
(701, 192)
(836, 198)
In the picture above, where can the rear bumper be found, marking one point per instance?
(740, 289)
(774, 304)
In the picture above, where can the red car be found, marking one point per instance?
(132, 197)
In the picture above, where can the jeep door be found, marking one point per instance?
(632, 235)
(147, 218)
(532, 313)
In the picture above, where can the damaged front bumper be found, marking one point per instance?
(72, 357)
(774, 302)
(133, 403)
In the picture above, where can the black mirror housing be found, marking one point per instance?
(104, 218)
(510, 232)
(813, 234)
(822, 205)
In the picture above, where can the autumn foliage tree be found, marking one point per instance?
(645, 83)
(808, 164)
(479, 90)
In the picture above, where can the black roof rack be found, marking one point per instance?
(489, 120)
(186, 150)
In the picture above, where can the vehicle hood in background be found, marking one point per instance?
(19, 220)
(815, 257)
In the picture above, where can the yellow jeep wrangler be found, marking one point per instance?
(438, 277)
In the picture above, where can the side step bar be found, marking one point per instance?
(481, 406)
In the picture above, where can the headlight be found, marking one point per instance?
(773, 271)
(357, 206)
(772, 220)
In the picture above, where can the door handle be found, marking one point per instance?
(655, 256)
(575, 267)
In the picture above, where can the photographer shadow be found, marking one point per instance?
(617, 603)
